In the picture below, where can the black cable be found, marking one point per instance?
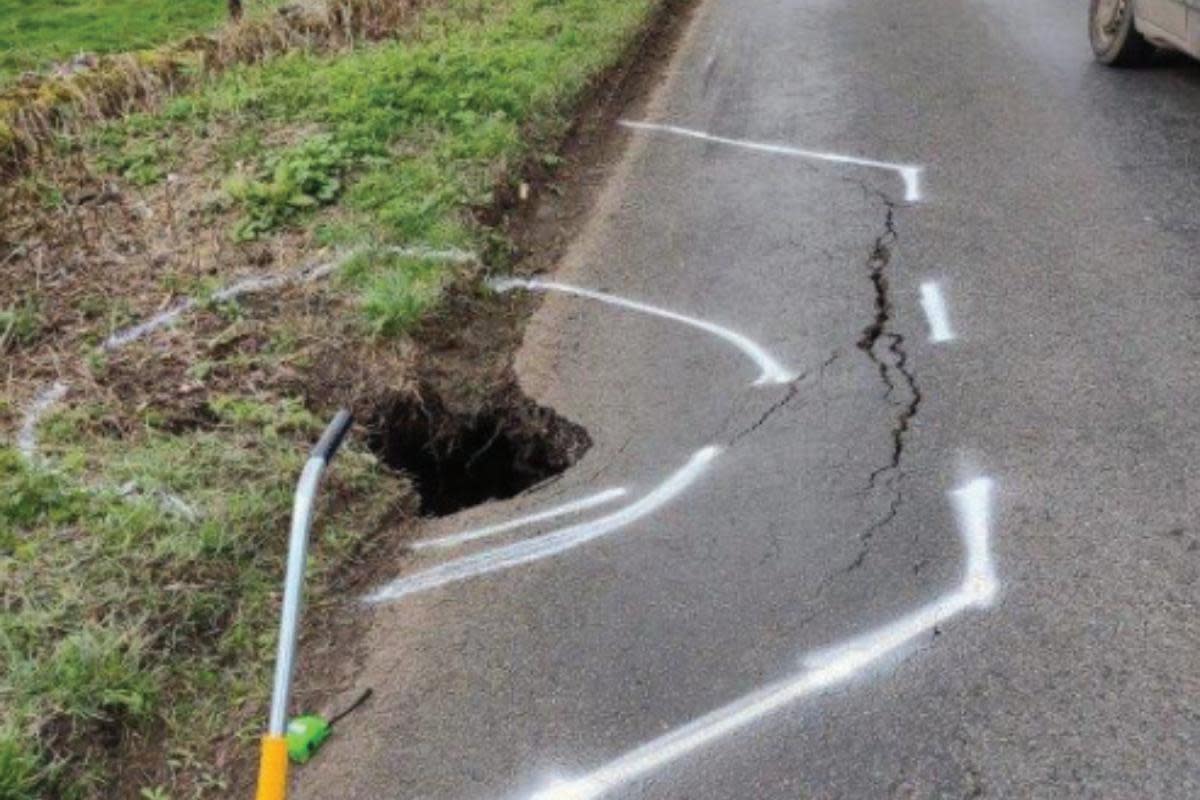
(362, 698)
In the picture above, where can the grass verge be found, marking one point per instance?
(140, 560)
(34, 33)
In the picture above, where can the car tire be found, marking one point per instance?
(1115, 39)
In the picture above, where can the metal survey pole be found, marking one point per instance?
(272, 775)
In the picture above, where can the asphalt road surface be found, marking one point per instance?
(796, 615)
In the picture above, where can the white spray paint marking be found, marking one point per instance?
(47, 398)
(271, 282)
(176, 505)
(27, 446)
(27, 437)
(168, 502)
(973, 503)
(584, 504)
(158, 321)
(909, 173)
(935, 312)
(978, 588)
(771, 370)
(549, 544)
(451, 255)
(248, 286)
(824, 670)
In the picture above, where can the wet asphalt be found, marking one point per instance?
(1059, 220)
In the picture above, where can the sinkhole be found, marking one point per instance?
(458, 459)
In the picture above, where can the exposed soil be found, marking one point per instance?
(457, 461)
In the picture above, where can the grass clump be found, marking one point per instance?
(21, 771)
(19, 325)
(142, 166)
(95, 673)
(290, 181)
(397, 290)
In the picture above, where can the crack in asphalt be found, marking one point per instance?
(793, 391)
(892, 361)
(867, 535)
(877, 262)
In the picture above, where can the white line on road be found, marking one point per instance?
(909, 173)
(591, 501)
(823, 671)
(978, 589)
(771, 370)
(549, 544)
(935, 311)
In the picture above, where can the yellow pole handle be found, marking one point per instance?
(272, 769)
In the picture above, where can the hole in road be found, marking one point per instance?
(458, 460)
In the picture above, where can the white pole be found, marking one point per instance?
(272, 777)
(293, 592)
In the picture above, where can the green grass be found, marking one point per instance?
(35, 32)
(119, 610)
(118, 615)
(18, 325)
(425, 126)
(411, 134)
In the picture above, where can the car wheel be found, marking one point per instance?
(1115, 40)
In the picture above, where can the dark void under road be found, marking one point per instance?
(1058, 223)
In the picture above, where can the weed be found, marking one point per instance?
(96, 360)
(19, 325)
(48, 195)
(287, 416)
(291, 181)
(32, 498)
(95, 673)
(241, 148)
(142, 165)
